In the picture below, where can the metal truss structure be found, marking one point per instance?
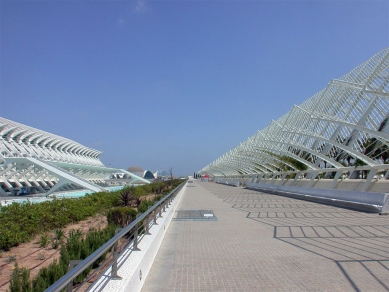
(34, 161)
(343, 130)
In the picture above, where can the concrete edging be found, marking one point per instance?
(362, 201)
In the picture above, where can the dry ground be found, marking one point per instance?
(31, 256)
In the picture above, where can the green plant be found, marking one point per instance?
(126, 197)
(58, 238)
(48, 276)
(76, 248)
(144, 206)
(44, 240)
(121, 216)
(21, 222)
(20, 280)
(140, 192)
(59, 234)
(54, 243)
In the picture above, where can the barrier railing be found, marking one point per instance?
(134, 232)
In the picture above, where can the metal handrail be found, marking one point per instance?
(68, 277)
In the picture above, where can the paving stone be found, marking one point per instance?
(264, 242)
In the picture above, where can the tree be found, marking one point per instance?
(126, 197)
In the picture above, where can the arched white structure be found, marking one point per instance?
(41, 162)
(343, 129)
(18, 140)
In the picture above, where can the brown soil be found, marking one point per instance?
(31, 256)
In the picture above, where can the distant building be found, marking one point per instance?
(34, 161)
(146, 174)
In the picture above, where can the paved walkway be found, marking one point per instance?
(266, 242)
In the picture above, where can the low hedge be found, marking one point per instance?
(21, 222)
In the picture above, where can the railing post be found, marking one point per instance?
(135, 245)
(155, 217)
(147, 226)
(71, 265)
(114, 274)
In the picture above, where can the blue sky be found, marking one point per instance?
(163, 84)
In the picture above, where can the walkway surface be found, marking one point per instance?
(263, 242)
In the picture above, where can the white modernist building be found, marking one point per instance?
(340, 132)
(35, 161)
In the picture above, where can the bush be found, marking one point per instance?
(121, 216)
(142, 207)
(44, 240)
(20, 280)
(21, 222)
(140, 192)
(47, 276)
(126, 196)
(76, 248)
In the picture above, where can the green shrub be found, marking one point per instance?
(76, 248)
(142, 207)
(140, 192)
(126, 196)
(21, 222)
(44, 240)
(121, 216)
(20, 280)
(47, 276)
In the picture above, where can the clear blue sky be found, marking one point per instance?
(163, 84)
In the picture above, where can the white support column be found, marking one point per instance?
(369, 178)
(335, 180)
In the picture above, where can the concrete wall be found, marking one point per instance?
(346, 193)
(364, 201)
(346, 184)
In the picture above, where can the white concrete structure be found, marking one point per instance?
(342, 132)
(35, 161)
